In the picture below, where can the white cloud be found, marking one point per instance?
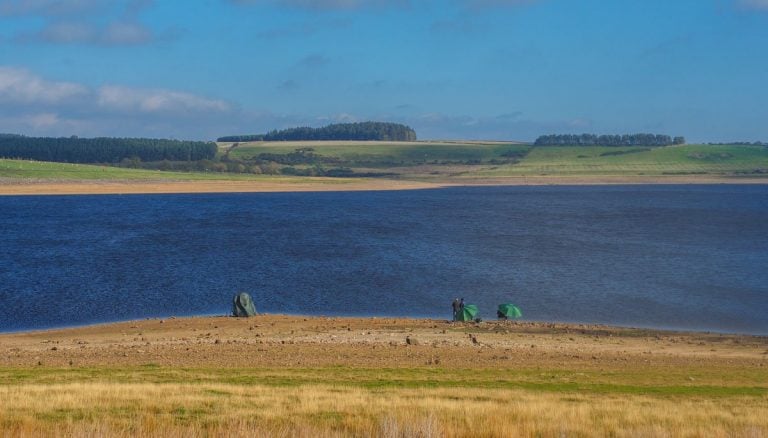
(314, 61)
(325, 5)
(497, 3)
(44, 124)
(121, 98)
(337, 118)
(21, 86)
(96, 22)
(43, 120)
(320, 5)
(32, 105)
(760, 5)
(66, 33)
(112, 34)
(119, 33)
(50, 7)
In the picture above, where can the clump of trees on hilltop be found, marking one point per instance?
(608, 140)
(103, 149)
(340, 131)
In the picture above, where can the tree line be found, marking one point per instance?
(103, 149)
(362, 131)
(608, 140)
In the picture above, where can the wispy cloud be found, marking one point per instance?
(461, 25)
(288, 85)
(466, 21)
(153, 101)
(757, 5)
(482, 4)
(33, 105)
(305, 29)
(37, 105)
(111, 34)
(331, 5)
(327, 5)
(314, 60)
(19, 86)
(51, 8)
(92, 22)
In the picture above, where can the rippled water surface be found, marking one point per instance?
(693, 257)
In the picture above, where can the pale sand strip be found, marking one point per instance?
(83, 187)
(143, 187)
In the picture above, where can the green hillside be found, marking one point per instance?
(389, 154)
(434, 161)
(20, 169)
(669, 160)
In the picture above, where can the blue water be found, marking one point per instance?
(686, 257)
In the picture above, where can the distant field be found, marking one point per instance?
(670, 160)
(19, 177)
(472, 160)
(388, 154)
(21, 169)
(441, 162)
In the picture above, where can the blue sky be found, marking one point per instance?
(471, 69)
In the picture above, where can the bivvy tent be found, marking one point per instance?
(467, 313)
(509, 311)
(242, 305)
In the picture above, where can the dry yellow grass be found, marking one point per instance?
(115, 409)
(276, 375)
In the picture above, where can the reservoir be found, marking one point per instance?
(691, 257)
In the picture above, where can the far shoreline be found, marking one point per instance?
(13, 187)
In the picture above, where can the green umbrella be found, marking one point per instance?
(468, 313)
(509, 311)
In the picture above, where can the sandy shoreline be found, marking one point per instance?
(88, 187)
(297, 341)
(164, 187)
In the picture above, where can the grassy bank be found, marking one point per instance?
(276, 375)
(390, 154)
(23, 169)
(474, 160)
(713, 382)
(440, 162)
(670, 160)
(479, 160)
(157, 401)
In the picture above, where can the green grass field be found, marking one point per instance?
(384, 154)
(705, 381)
(339, 401)
(22, 169)
(438, 160)
(448, 161)
(670, 160)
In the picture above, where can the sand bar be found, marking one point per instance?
(297, 341)
(86, 187)
(221, 186)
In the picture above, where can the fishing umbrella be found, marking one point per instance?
(509, 311)
(468, 313)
